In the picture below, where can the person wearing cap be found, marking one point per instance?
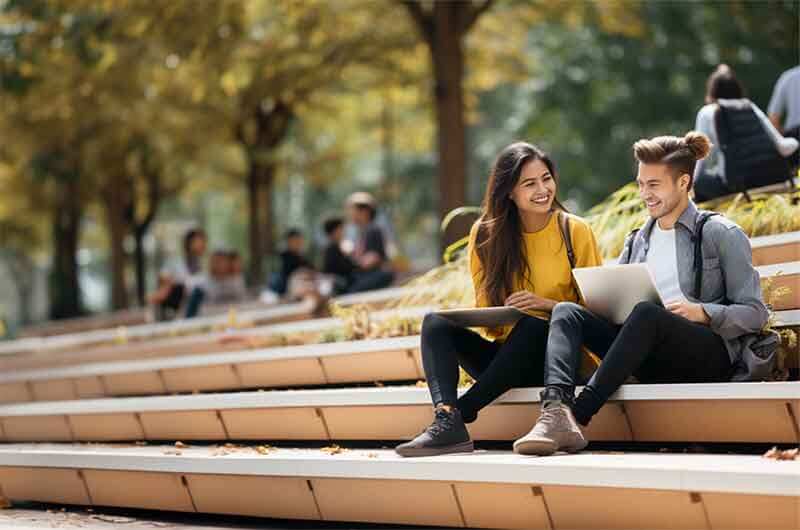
(370, 251)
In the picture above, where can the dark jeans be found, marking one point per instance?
(496, 367)
(196, 298)
(653, 344)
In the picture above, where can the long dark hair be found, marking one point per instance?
(499, 243)
(192, 261)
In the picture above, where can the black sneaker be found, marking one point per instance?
(447, 434)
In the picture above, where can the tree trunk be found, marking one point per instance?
(260, 184)
(116, 207)
(447, 56)
(271, 127)
(256, 271)
(65, 294)
(140, 264)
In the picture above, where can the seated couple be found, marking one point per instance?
(518, 257)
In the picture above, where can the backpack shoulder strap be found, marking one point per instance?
(698, 251)
(631, 237)
(563, 224)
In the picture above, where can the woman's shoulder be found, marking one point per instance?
(578, 224)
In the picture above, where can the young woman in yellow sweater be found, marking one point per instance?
(518, 257)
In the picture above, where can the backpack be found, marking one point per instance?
(751, 158)
(760, 357)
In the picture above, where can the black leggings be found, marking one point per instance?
(495, 366)
(654, 345)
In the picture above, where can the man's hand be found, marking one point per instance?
(689, 311)
(527, 301)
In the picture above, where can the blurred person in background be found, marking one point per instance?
(374, 268)
(181, 277)
(731, 121)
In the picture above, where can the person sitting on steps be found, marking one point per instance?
(709, 330)
(521, 251)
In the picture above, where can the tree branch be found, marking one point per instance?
(423, 21)
(474, 13)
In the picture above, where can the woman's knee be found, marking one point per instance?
(434, 324)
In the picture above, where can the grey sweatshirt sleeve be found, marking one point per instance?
(746, 312)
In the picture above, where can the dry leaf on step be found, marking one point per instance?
(333, 450)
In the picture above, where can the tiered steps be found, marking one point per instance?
(484, 490)
(779, 248)
(63, 391)
(362, 361)
(393, 359)
(637, 413)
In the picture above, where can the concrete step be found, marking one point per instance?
(488, 489)
(364, 361)
(763, 412)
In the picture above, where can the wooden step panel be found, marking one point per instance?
(274, 497)
(771, 255)
(15, 393)
(116, 427)
(37, 428)
(134, 384)
(392, 422)
(711, 421)
(744, 512)
(597, 508)
(52, 485)
(513, 506)
(291, 423)
(397, 365)
(387, 501)
(792, 299)
(282, 373)
(140, 489)
(201, 378)
(183, 425)
(54, 390)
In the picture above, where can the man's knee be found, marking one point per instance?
(646, 311)
(566, 312)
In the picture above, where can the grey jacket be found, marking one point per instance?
(730, 292)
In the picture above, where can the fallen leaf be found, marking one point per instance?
(178, 453)
(265, 449)
(421, 384)
(372, 455)
(141, 443)
(333, 449)
(180, 445)
(379, 384)
(777, 454)
(4, 503)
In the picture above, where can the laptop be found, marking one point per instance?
(612, 291)
(489, 317)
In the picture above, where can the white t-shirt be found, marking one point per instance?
(662, 261)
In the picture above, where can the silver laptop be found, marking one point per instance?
(612, 291)
(483, 316)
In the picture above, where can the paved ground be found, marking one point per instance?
(31, 516)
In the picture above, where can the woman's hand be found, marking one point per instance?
(527, 301)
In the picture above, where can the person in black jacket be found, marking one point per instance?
(334, 261)
(374, 267)
(292, 259)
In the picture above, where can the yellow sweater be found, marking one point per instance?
(546, 252)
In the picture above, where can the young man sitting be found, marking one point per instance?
(708, 331)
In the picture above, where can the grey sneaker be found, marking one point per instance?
(447, 434)
(556, 430)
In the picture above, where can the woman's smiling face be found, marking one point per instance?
(535, 191)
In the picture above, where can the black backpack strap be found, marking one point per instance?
(631, 238)
(563, 224)
(698, 251)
